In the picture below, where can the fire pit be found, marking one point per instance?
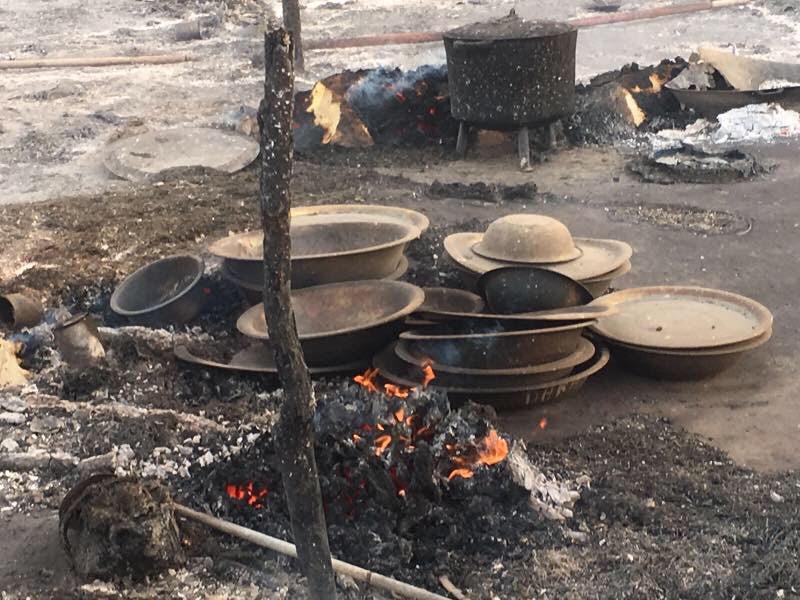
(343, 322)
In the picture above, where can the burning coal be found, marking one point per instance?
(250, 493)
(359, 108)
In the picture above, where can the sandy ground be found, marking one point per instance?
(55, 123)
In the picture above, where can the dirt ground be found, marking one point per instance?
(714, 521)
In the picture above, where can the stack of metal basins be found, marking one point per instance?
(330, 244)
(538, 241)
(526, 347)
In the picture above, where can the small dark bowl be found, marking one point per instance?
(513, 290)
(165, 292)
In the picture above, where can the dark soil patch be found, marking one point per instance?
(696, 220)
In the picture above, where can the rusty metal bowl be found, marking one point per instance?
(412, 217)
(490, 346)
(165, 292)
(326, 248)
(391, 367)
(253, 294)
(683, 365)
(343, 322)
(525, 238)
(20, 311)
(460, 377)
(513, 290)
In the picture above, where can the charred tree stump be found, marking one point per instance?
(294, 435)
(291, 21)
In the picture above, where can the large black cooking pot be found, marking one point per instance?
(510, 73)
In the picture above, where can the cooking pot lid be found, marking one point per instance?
(510, 27)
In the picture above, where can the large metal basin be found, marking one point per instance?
(326, 248)
(490, 347)
(343, 322)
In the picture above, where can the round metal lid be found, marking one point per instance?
(681, 317)
(510, 27)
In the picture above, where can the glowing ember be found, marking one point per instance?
(249, 493)
(381, 443)
(543, 423)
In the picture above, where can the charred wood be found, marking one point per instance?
(294, 432)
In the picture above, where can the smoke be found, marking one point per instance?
(381, 85)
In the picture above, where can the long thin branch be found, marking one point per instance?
(294, 431)
(278, 545)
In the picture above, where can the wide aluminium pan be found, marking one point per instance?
(490, 347)
(326, 248)
(447, 376)
(253, 294)
(343, 322)
(509, 73)
(392, 368)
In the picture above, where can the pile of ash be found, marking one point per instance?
(407, 484)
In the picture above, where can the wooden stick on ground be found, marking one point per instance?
(294, 437)
(266, 541)
(93, 61)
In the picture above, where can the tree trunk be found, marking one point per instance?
(291, 21)
(294, 431)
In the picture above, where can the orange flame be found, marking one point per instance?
(543, 423)
(465, 473)
(396, 390)
(367, 380)
(429, 373)
(491, 450)
(248, 493)
(381, 443)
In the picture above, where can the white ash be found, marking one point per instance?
(153, 341)
(552, 498)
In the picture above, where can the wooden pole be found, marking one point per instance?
(92, 61)
(358, 573)
(291, 21)
(294, 437)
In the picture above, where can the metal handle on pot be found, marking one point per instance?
(472, 43)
